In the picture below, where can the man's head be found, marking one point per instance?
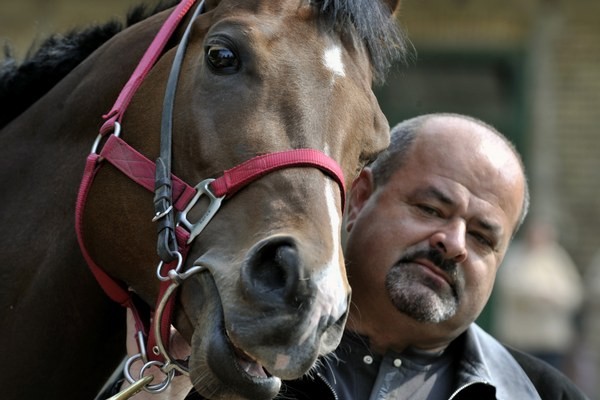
(428, 225)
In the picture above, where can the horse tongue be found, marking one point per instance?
(248, 364)
(252, 368)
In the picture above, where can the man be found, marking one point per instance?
(428, 225)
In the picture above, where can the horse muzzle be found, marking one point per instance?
(284, 317)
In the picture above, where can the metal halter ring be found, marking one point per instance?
(127, 367)
(171, 365)
(176, 269)
(156, 388)
(159, 387)
(116, 132)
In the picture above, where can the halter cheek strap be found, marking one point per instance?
(146, 63)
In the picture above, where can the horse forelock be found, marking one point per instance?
(46, 63)
(373, 22)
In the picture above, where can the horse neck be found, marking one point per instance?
(73, 108)
(52, 138)
(51, 302)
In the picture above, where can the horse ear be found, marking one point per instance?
(394, 5)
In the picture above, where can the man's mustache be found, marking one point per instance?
(435, 256)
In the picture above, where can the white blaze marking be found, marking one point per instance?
(333, 279)
(331, 299)
(332, 58)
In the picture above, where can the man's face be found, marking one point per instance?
(427, 244)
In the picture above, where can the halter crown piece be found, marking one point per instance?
(173, 199)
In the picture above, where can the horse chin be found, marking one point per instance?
(218, 369)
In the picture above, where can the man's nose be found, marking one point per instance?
(451, 240)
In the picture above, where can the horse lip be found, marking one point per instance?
(244, 357)
(222, 357)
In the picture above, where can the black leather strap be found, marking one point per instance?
(163, 193)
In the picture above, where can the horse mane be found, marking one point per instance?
(46, 64)
(22, 85)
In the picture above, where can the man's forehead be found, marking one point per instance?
(473, 157)
(452, 136)
(440, 128)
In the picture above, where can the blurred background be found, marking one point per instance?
(531, 68)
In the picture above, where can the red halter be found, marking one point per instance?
(143, 171)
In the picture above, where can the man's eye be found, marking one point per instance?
(426, 209)
(482, 239)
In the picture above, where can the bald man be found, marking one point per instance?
(428, 225)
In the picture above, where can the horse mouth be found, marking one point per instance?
(238, 372)
(248, 365)
(226, 363)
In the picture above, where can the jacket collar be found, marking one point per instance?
(486, 361)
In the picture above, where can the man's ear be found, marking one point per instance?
(394, 5)
(360, 192)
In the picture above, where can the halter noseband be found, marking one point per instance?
(175, 231)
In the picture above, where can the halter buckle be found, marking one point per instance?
(215, 203)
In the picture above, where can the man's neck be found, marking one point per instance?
(398, 340)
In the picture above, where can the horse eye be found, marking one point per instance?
(222, 59)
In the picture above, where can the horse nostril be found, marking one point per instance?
(273, 271)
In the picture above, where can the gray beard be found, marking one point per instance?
(412, 295)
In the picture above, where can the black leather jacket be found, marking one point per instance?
(487, 370)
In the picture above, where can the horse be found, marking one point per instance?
(260, 292)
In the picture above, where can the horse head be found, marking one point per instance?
(257, 77)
